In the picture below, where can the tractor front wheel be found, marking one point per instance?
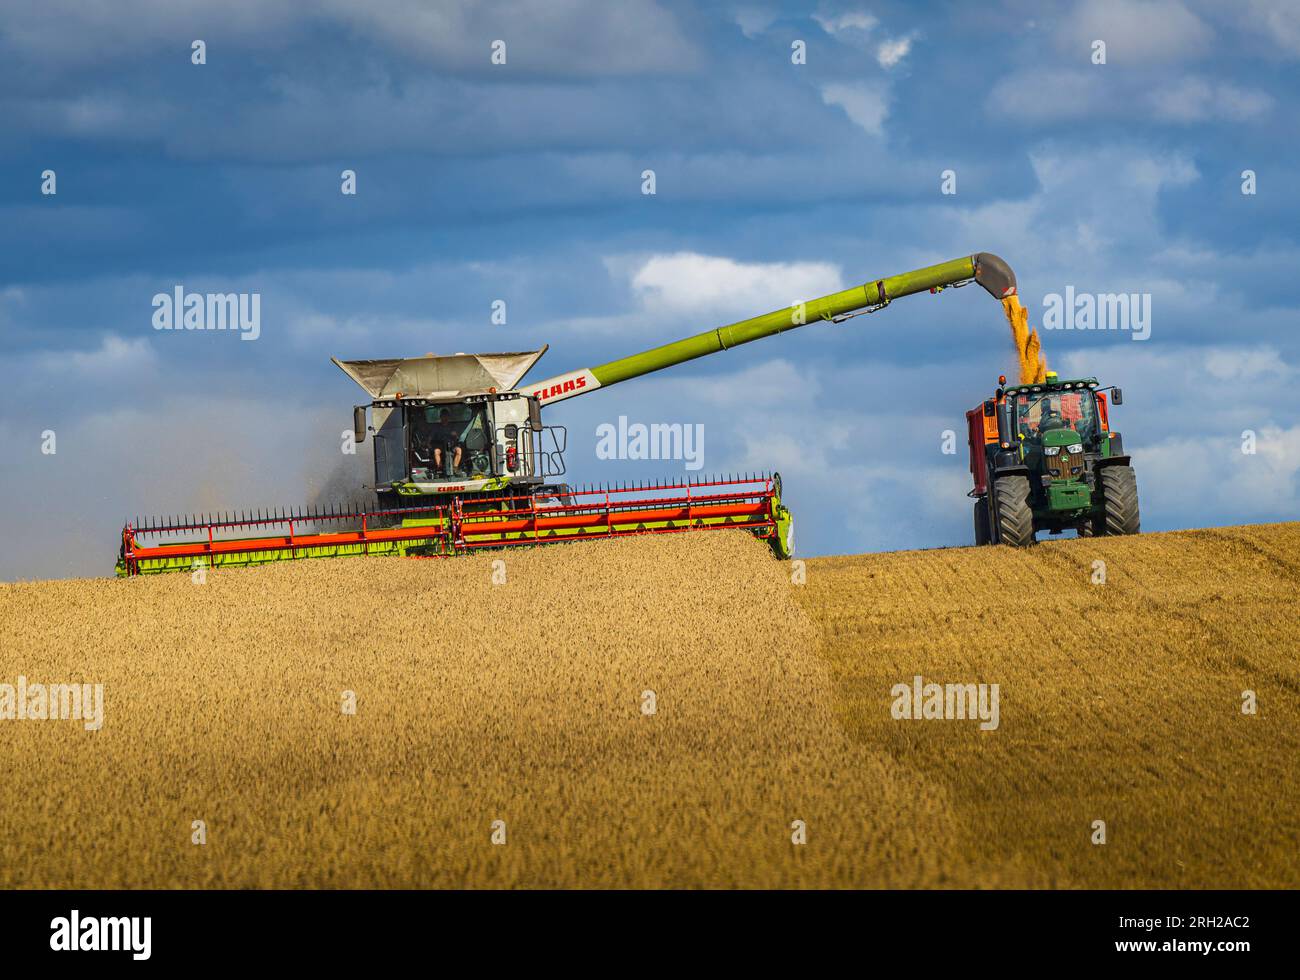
(1011, 504)
(1119, 494)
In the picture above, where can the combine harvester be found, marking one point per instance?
(464, 461)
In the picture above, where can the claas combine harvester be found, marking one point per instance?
(463, 459)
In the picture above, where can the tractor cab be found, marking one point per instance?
(454, 424)
(1057, 410)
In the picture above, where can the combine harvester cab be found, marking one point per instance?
(454, 425)
(1044, 458)
(463, 460)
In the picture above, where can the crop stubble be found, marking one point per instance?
(1120, 702)
(522, 702)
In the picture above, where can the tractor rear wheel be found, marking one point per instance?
(1119, 494)
(1015, 519)
(981, 521)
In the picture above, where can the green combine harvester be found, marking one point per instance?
(463, 460)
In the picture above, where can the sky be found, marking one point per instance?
(1141, 147)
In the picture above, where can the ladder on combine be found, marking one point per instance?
(748, 503)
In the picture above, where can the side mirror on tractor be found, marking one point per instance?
(1117, 396)
(359, 423)
(534, 415)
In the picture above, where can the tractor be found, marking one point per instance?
(1044, 458)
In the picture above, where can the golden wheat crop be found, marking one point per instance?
(1120, 702)
(523, 702)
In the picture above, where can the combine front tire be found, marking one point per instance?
(1119, 494)
(1015, 519)
(782, 539)
(981, 521)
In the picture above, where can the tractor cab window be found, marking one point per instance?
(1040, 412)
(448, 442)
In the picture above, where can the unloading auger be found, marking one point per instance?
(463, 459)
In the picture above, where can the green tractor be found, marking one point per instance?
(1044, 458)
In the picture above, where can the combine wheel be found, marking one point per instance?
(783, 535)
(782, 539)
(1120, 497)
(1015, 519)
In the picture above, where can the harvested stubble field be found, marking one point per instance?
(522, 702)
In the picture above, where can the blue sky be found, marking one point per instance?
(522, 182)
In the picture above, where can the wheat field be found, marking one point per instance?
(673, 710)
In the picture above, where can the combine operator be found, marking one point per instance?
(438, 442)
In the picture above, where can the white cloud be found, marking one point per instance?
(1196, 367)
(1247, 365)
(865, 104)
(1059, 95)
(11, 297)
(1183, 417)
(67, 31)
(1264, 485)
(1135, 31)
(687, 282)
(892, 51)
(1276, 20)
(631, 37)
(1068, 229)
(753, 21)
(114, 356)
(853, 20)
(626, 38)
(1191, 100)
(311, 329)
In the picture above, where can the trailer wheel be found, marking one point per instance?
(1119, 493)
(981, 521)
(1015, 519)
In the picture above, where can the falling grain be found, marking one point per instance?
(1032, 363)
